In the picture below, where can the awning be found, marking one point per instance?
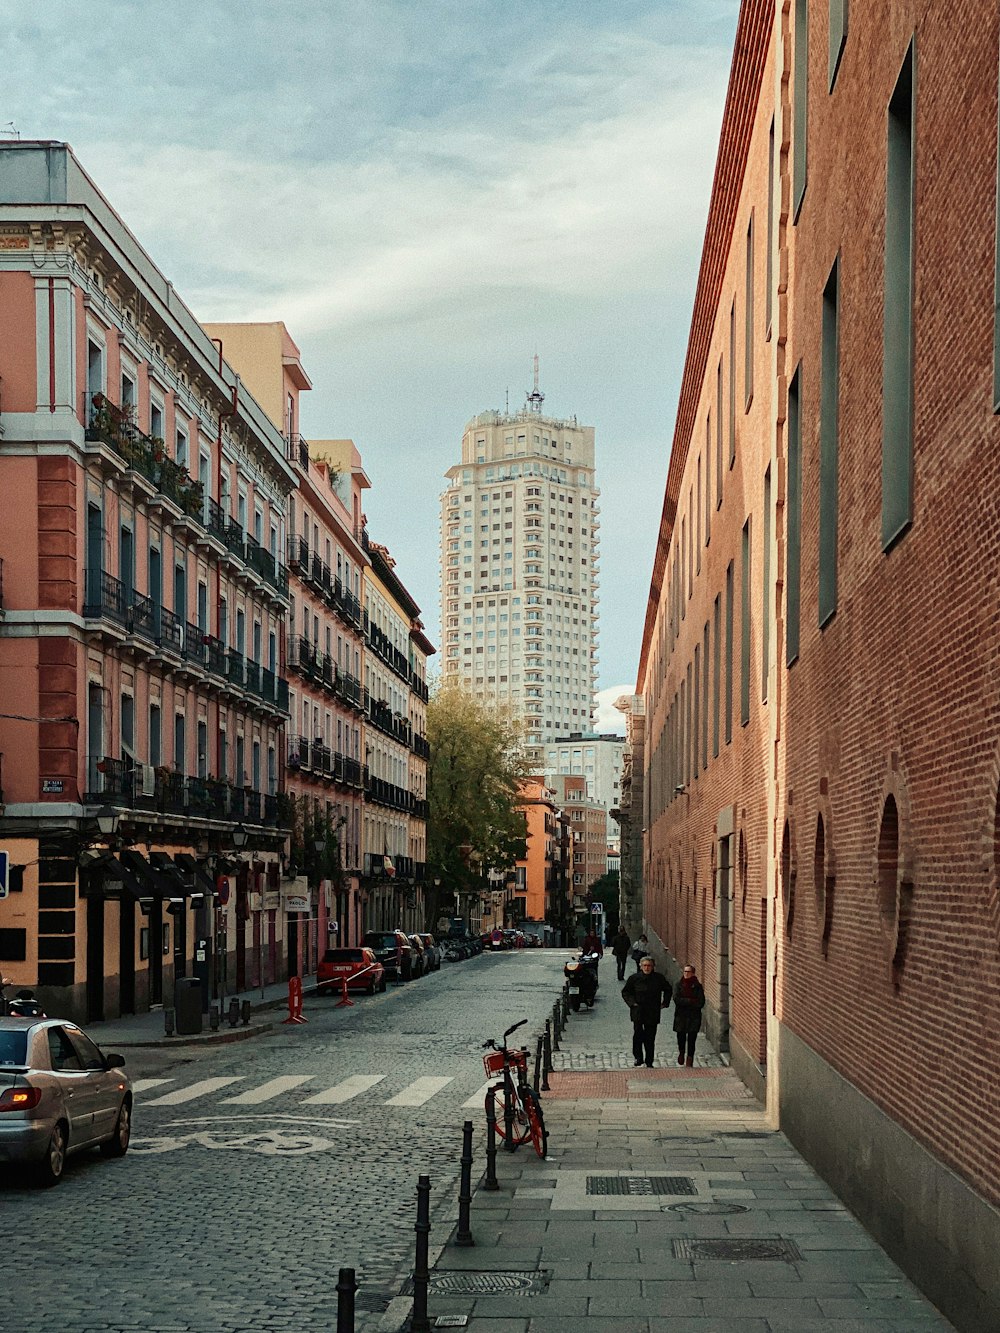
(108, 878)
(196, 868)
(180, 885)
(154, 883)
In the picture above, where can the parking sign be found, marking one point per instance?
(4, 874)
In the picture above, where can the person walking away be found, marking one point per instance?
(646, 993)
(639, 950)
(592, 944)
(689, 1001)
(620, 946)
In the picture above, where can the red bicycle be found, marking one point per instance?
(513, 1098)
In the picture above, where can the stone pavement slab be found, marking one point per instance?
(648, 1215)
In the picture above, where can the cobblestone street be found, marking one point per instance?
(259, 1169)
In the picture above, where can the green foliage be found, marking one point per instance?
(476, 767)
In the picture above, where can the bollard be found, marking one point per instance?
(346, 1287)
(564, 1006)
(234, 1012)
(535, 1082)
(463, 1237)
(213, 1017)
(245, 1013)
(168, 1022)
(547, 1052)
(419, 1323)
(555, 1027)
(490, 1181)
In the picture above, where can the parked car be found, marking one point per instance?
(359, 967)
(432, 952)
(394, 951)
(420, 966)
(59, 1094)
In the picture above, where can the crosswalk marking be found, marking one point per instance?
(144, 1084)
(272, 1088)
(477, 1099)
(190, 1094)
(419, 1091)
(343, 1092)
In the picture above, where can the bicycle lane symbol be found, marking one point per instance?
(295, 1136)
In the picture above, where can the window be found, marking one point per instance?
(729, 653)
(718, 436)
(154, 734)
(128, 726)
(745, 629)
(897, 377)
(838, 36)
(770, 228)
(765, 620)
(704, 701)
(696, 722)
(800, 104)
(708, 479)
(95, 368)
(793, 519)
(829, 428)
(179, 744)
(748, 348)
(732, 384)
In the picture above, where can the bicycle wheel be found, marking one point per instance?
(521, 1128)
(536, 1121)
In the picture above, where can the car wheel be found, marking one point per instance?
(50, 1169)
(370, 988)
(381, 984)
(117, 1145)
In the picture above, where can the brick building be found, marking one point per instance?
(823, 777)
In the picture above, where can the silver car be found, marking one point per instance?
(58, 1095)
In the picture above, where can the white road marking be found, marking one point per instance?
(190, 1094)
(343, 1092)
(419, 1091)
(272, 1088)
(144, 1084)
(478, 1099)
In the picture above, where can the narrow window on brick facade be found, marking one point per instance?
(897, 375)
(716, 671)
(745, 628)
(690, 537)
(696, 723)
(996, 290)
(748, 349)
(800, 104)
(793, 519)
(688, 747)
(704, 699)
(732, 384)
(697, 520)
(838, 35)
(768, 299)
(683, 568)
(765, 564)
(823, 886)
(829, 435)
(729, 653)
(718, 436)
(708, 475)
(787, 867)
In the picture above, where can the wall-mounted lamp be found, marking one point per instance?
(240, 838)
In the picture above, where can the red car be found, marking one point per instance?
(359, 967)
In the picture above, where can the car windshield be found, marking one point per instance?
(13, 1048)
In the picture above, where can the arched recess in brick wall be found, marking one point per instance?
(788, 872)
(895, 869)
(991, 849)
(743, 869)
(824, 873)
(713, 868)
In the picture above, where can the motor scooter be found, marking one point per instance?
(581, 973)
(23, 1005)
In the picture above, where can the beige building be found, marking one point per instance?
(519, 550)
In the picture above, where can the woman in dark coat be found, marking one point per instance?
(689, 1000)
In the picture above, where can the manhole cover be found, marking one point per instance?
(708, 1209)
(640, 1185)
(736, 1249)
(506, 1283)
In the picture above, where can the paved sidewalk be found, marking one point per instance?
(667, 1205)
(148, 1029)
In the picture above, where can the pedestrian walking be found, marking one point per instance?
(620, 946)
(639, 950)
(646, 993)
(689, 1001)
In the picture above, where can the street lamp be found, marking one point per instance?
(107, 821)
(240, 837)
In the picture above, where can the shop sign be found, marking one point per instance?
(272, 900)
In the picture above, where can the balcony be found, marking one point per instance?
(298, 450)
(298, 554)
(126, 785)
(380, 715)
(421, 747)
(346, 605)
(104, 597)
(349, 689)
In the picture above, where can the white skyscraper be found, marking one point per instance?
(519, 579)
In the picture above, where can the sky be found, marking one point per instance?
(427, 192)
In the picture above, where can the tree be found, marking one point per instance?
(476, 766)
(607, 890)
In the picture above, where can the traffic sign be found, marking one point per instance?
(4, 874)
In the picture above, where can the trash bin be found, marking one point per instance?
(187, 1005)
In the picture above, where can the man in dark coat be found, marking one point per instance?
(689, 1001)
(620, 946)
(646, 992)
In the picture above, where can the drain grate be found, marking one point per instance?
(708, 1209)
(736, 1249)
(501, 1283)
(640, 1185)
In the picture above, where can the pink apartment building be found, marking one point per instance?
(144, 602)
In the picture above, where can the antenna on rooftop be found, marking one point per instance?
(507, 402)
(536, 397)
(11, 129)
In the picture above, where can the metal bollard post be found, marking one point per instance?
(546, 1053)
(463, 1237)
(346, 1287)
(234, 1012)
(419, 1322)
(245, 1013)
(555, 1027)
(490, 1181)
(213, 1017)
(564, 1006)
(168, 1022)
(535, 1082)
